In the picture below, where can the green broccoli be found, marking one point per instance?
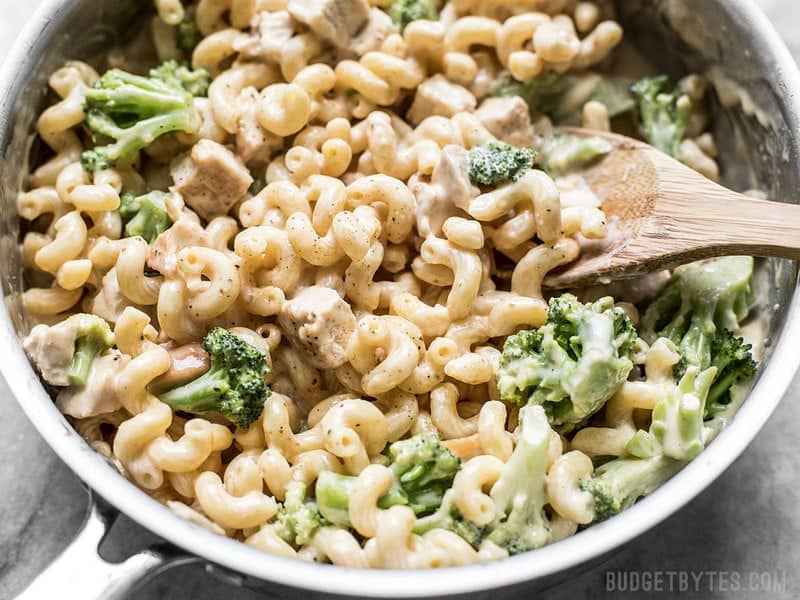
(333, 497)
(448, 517)
(424, 470)
(519, 495)
(176, 74)
(676, 435)
(734, 362)
(258, 184)
(572, 364)
(187, 36)
(298, 518)
(494, 163)
(677, 420)
(663, 113)
(642, 445)
(133, 111)
(403, 12)
(562, 96)
(617, 484)
(93, 336)
(145, 216)
(542, 93)
(697, 309)
(234, 385)
(565, 153)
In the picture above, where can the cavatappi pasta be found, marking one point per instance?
(319, 206)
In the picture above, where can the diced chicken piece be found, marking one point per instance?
(319, 324)
(253, 143)
(379, 26)
(99, 395)
(508, 119)
(336, 21)
(164, 251)
(211, 179)
(272, 30)
(110, 301)
(451, 178)
(440, 96)
(51, 348)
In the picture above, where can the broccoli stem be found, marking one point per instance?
(447, 517)
(720, 388)
(200, 395)
(618, 484)
(333, 497)
(86, 348)
(567, 153)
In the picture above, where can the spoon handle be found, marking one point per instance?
(719, 221)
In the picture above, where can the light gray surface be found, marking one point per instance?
(748, 522)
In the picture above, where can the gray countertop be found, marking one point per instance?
(739, 539)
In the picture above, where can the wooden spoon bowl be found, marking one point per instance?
(662, 213)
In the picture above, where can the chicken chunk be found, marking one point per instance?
(508, 119)
(336, 21)
(110, 301)
(378, 27)
(253, 143)
(51, 349)
(271, 31)
(439, 96)
(99, 395)
(451, 178)
(211, 179)
(319, 324)
(164, 251)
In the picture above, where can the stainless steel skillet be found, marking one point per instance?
(758, 129)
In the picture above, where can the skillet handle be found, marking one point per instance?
(79, 572)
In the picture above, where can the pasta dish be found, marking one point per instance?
(284, 268)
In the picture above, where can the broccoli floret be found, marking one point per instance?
(542, 94)
(565, 153)
(403, 12)
(617, 484)
(519, 495)
(298, 518)
(176, 74)
(92, 336)
(133, 111)
(448, 517)
(697, 309)
(675, 437)
(663, 113)
(734, 362)
(234, 385)
(677, 420)
(145, 216)
(187, 36)
(642, 445)
(424, 470)
(562, 96)
(572, 364)
(494, 163)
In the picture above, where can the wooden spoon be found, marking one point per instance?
(662, 214)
